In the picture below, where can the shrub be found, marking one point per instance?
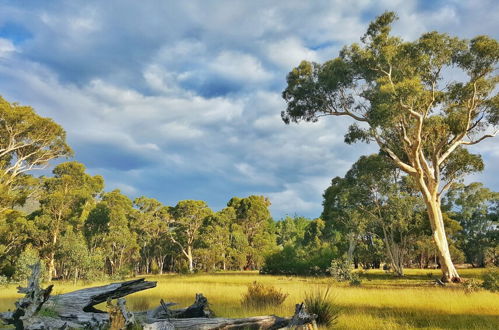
(284, 262)
(355, 280)
(340, 269)
(320, 303)
(259, 295)
(491, 280)
(26, 259)
(3, 280)
(471, 286)
(295, 260)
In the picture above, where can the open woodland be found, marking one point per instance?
(403, 241)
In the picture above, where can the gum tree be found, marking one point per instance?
(27, 142)
(402, 97)
(187, 219)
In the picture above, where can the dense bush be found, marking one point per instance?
(26, 259)
(355, 280)
(295, 260)
(4, 280)
(341, 269)
(471, 285)
(320, 303)
(491, 280)
(259, 295)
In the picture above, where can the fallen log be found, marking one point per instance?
(76, 310)
(300, 320)
(28, 306)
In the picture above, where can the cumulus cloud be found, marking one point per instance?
(181, 100)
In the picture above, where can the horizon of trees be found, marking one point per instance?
(372, 216)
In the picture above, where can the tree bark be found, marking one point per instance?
(351, 247)
(449, 272)
(189, 258)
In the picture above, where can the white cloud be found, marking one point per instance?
(133, 80)
(288, 53)
(6, 47)
(239, 66)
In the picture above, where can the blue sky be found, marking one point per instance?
(181, 99)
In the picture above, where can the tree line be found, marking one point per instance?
(373, 215)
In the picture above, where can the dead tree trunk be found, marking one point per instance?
(30, 305)
(300, 320)
(74, 309)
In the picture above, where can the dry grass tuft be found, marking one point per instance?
(260, 295)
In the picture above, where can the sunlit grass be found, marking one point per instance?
(382, 302)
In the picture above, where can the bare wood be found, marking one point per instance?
(300, 320)
(28, 306)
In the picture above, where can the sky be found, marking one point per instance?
(181, 99)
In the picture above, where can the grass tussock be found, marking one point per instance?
(321, 303)
(260, 295)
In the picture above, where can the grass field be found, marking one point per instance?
(381, 302)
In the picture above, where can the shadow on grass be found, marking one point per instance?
(422, 318)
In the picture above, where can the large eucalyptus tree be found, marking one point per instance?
(422, 102)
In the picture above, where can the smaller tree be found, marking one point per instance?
(108, 229)
(187, 219)
(475, 208)
(253, 216)
(27, 142)
(215, 238)
(151, 226)
(62, 202)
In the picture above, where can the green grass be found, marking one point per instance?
(381, 302)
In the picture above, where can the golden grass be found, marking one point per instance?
(382, 302)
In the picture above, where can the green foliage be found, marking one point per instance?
(355, 280)
(474, 207)
(491, 280)
(341, 269)
(47, 312)
(253, 217)
(321, 303)
(4, 280)
(288, 261)
(28, 258)
(291, 230)
(260, 295)
(471, 285)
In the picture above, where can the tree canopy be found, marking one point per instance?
(401, 96)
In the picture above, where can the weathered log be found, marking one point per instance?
(119, 316)
(74, 309)
(200, 308)
(300, 320)
(28, 306)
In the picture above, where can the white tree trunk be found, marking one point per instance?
(449, 272)
(189, 258)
